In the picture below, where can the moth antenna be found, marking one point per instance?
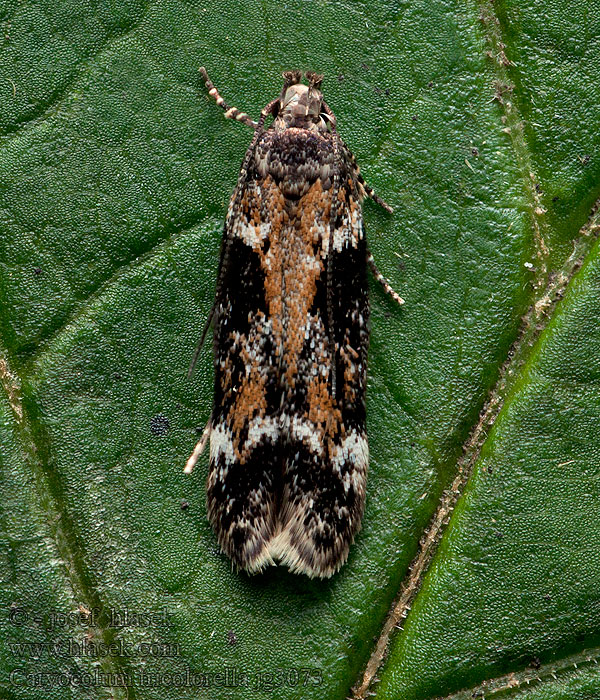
(314, 79)
(291, 77)
(230, 112)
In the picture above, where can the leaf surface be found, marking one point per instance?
(115, 173)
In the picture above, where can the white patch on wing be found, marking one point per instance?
(353, 451)
(262, 429)
(221, 443)
(342, 237)
(304, 431)
(253, 236)
(348, 234)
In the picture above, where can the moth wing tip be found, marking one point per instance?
(303, 560)
(258, 564)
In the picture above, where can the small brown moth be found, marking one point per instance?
(288, 443)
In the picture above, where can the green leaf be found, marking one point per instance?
(514, 582)
(478, 124)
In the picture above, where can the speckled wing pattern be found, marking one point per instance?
(288, 461)
(288, 444)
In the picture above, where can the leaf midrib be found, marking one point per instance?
(547, 291)
(60, 525)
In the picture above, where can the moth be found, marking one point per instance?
(288, 443)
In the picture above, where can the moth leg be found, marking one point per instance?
(207, 325)
(230, 112)
(387, 287)
(199, 449)
(370, 192)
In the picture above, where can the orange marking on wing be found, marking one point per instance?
(250, 394)
(303, 269)
(271, 261)
(292, 261)
(323, 411)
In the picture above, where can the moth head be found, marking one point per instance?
(299, 102)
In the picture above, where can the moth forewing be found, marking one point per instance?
(288, 444)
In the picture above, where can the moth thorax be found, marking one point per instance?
(301, 103)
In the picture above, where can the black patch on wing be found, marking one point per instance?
(244, 527)
(241, 501)
(335, 512)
